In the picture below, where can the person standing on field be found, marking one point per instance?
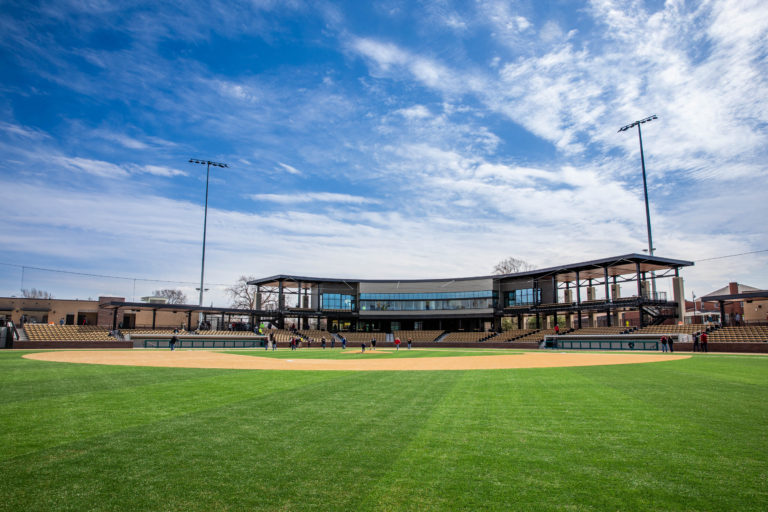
(373, 343)
(322, 342)
(410, 342)
(173, 341)
(704, 342)
(670, 342)
(397, 344)
(664, 343)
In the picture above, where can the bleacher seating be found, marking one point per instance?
(601, 331)
(418, 336)
(44, 332)
(465, 337)
(511, 335)
(359, 337)
(535, 337)
(163, 332)
(315, 334)
(757, 333)
(671, 329)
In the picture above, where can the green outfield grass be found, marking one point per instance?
(679, 435)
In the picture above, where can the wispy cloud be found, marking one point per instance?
(289, 169)
(314, 197)
(22, 131)
(94, 167)
(160, 170)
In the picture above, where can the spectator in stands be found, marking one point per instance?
(664, 343)
(373, 343)
(695, 342)
(704, 342)
(410, 342)
(557, 329)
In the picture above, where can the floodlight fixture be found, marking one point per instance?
(638, 122)
(208, 164)
(645, 184)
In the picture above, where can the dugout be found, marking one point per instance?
(603, 342)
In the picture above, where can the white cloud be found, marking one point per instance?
(414, 112)
(290, 169)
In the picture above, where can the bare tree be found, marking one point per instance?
(34, 293)
(512, 265)
(173, 296)
(244, 296)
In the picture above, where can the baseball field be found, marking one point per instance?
(658, 434)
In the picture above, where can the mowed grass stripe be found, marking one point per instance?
(88, 410)
(306, 447)
(588, 447)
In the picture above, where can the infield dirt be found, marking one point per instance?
(222, 360)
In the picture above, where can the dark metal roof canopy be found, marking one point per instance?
(752, 295)
(617, 265)
(173, 307)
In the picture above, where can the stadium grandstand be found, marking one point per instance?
(521, 309)
(585, 294)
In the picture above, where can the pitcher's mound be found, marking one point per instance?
(206, 359)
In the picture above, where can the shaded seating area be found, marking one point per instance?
(418, 336)
(512, 335)
(466, 337)
(535, 337)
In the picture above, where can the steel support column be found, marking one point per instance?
(578, 300)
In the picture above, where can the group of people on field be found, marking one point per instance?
(699, 343)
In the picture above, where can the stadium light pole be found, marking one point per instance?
(208, 165)
(645, 184)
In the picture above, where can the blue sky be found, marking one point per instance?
(377, 139)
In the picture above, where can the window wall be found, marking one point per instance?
(483, 299)
(338, 301)
(525, 297)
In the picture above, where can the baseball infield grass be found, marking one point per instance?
(679, 435)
